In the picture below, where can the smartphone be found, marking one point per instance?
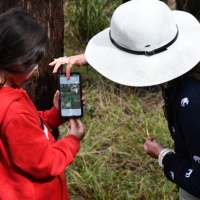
(70, 103)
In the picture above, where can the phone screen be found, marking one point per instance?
(70, 96)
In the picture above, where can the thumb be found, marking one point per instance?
(72, 124)
(82, 61)
(79, 63)
(148, 142)
(151, 138)
(56, 98)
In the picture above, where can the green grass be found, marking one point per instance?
(111, 163)
(86, 18)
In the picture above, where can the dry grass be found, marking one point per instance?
(111, 163)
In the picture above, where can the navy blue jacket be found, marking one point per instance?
(183, 110)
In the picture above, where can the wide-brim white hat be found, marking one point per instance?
(145, 26)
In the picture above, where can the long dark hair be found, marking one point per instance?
(23, 43)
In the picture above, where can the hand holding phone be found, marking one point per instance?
(77, 129)
(70, 103)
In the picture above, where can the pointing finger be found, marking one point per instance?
(68, 70)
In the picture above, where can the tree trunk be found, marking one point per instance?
(191, 6)
(42, 85)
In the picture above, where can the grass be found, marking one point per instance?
(86, 18)
(112, 164)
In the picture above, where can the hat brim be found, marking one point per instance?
(139, 70)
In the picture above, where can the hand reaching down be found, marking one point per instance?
(78, 60)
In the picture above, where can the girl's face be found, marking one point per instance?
(18, 79)
(21, 79)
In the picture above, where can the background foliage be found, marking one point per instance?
(86, 18)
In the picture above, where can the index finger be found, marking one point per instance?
(58, 62)
(72, 60)
(68, 70)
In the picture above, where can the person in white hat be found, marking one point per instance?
(148, 44)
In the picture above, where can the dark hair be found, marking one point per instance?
(195, 72)
(23, 42)
(179, 81)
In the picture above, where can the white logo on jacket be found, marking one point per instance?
(184, 102)
(196, 159)
(187, 175)
(172, 175)
(46, 132)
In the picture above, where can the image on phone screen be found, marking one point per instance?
(70, 96)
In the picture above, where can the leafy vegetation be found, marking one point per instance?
(67, 95)
(69, 98)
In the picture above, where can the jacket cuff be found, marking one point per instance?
(56, 121)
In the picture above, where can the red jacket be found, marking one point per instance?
(32, 163)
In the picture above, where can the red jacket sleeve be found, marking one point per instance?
(52, 117)
(33, 153)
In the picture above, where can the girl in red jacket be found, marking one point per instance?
(32, 163)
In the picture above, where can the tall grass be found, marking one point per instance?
(86, 18)
(112, 164)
